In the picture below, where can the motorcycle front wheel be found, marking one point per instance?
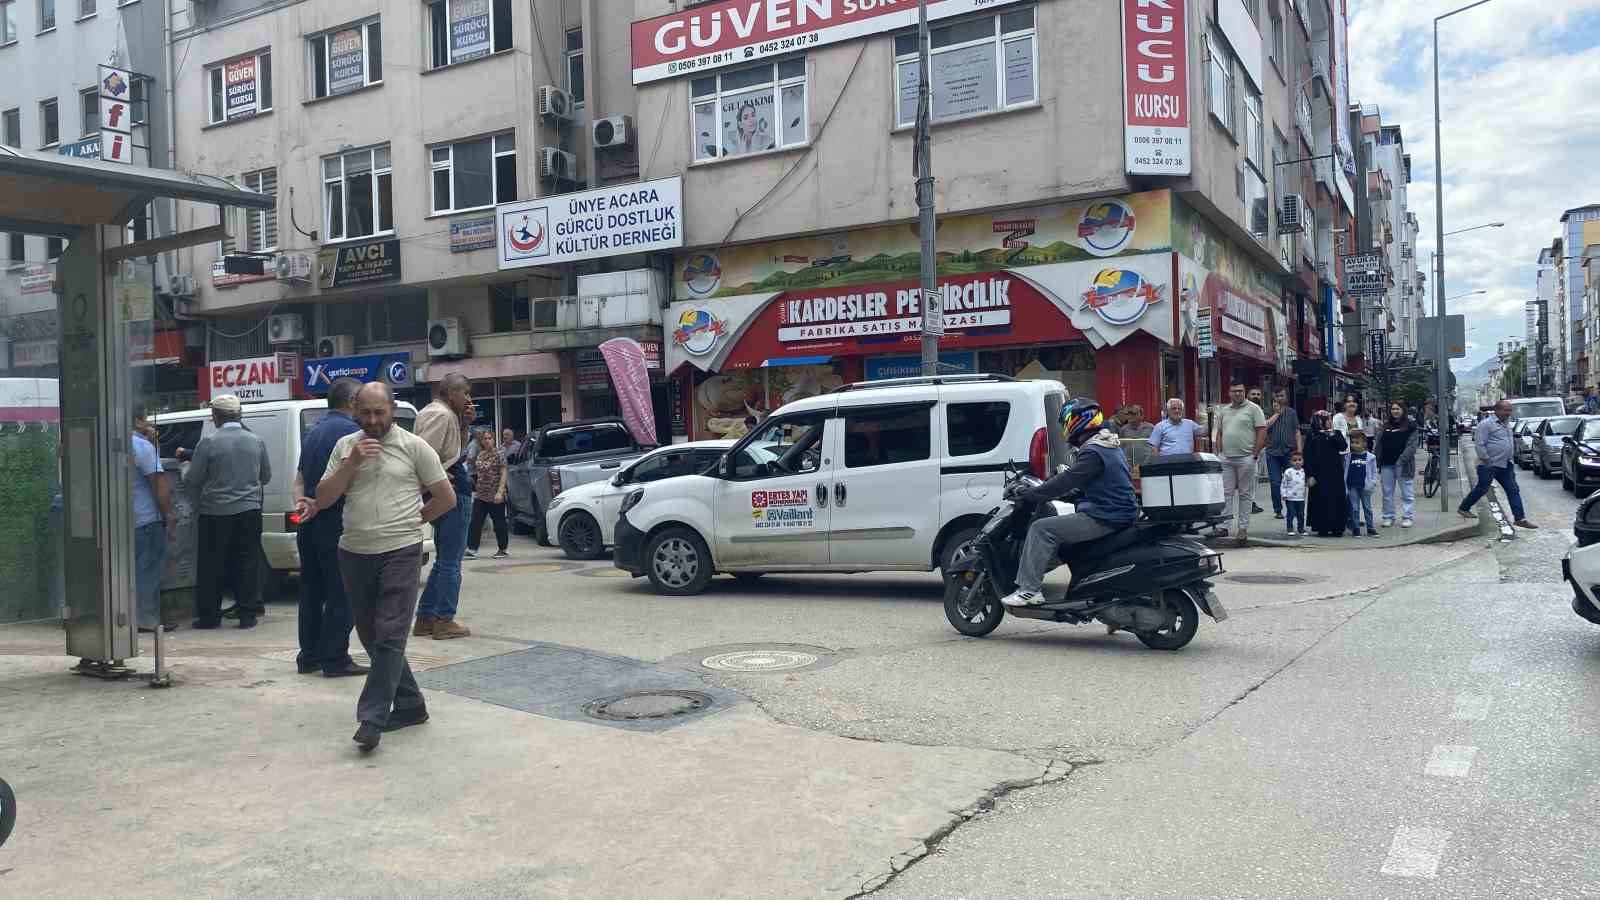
(1185, 622)
(971, 604)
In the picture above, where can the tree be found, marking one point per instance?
(1516, 370)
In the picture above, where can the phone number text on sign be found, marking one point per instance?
(781, 509)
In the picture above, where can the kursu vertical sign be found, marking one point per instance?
(1155, 86)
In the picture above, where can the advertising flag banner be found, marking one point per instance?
(1155, 87)
(469, 30)
(346, 61)
(630, 373)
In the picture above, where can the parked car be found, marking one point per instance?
(282, 424)
(879, 476)
(1580, 458)
(558, 457)
(1522, 441)
(1547, 443)
(1581, 565)
(583, 519)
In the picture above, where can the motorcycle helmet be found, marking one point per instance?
(1081, 420)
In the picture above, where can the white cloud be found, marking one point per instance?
(1519, 127)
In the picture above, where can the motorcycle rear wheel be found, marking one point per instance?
(974, 615)
(8, 811)
(1186, 622)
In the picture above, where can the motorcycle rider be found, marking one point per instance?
(1108, 504)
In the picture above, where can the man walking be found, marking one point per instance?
(382, 471)
(225, 480)
(1241, 432)
(509, 445)
(1492, 439)
(153, 523)
(1283, 441)
(440, 424)
(325, 619)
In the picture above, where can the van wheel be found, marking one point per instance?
(677, 562)
(580, 536)
(952, 545)
(1185, 622)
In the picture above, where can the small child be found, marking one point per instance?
(1294, 494)
(1360, 477)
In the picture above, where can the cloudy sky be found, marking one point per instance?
(1520, 98)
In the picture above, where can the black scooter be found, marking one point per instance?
(8, 811)
(1151, 579)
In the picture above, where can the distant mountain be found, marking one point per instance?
(1481, 371)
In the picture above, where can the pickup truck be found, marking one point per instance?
(561, 456)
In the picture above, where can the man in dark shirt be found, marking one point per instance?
(325, 618)
(1283, 441)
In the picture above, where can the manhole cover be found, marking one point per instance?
(759, 661)
(604, 572)
(532, 569)
(647, 705)
(1267, 578)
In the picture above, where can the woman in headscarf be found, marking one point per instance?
(1328, 505)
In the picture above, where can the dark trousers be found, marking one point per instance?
(229, 550)
(495, 511)
(1507, 476)
(1276, 466)
(383, 589)
(325, 619)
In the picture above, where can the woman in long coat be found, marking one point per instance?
(1327, 507)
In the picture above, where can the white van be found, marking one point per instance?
(282, 424)
(1536, 407)
(884, 475)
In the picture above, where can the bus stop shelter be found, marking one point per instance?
(90, 204)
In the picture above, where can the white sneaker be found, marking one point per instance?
(1388, 523)
(470, 554)
(1022, 598)
(1406, 523)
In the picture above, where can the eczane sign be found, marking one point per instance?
(251, 380)
(1155, 86)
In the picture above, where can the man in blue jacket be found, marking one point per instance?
(1108, 504)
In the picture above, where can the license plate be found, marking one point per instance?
(1215, 605)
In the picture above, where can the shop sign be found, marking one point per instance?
(390, 368)
(239, 78)
(1125, 225)
(469, 29)
(1155, 87)
(978, 303)
(221, 277)
(27, 354)
(251, 380)
(883, 367)
(346, 61)
(1377, 352)
(636, 218)
(590, 368)
(1243, 319)
(1205, 346)
(1365, 275)
(88, 148)
(38, 279)
(471, 233)
(712, 36)
(371, 262)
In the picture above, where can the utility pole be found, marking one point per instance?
(932, 300)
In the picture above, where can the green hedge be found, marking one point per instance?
(30, 538)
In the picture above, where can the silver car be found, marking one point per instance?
(1522, 440)
(1548, 439)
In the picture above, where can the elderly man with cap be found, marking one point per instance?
(225, 480)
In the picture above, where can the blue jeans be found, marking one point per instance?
(1360, 501)
(1507, 476)
(149, 557)
(1294, 515)
(1408, 495)
(1276, 466)
(442, 594)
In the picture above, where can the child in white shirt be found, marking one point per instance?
(1293, 490)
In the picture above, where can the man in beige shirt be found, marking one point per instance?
(381, 472)
(443, 424)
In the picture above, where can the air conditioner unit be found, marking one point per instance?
(181, 285)
(554, 103)
(446, 337)
(293, 267)
(1292, 214)
(616, 131)
(557, 165)
(336, 345)
(286, 329)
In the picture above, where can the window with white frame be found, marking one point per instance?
(750, 110)
(575, 79)
(85, 8)
(8, 22)
(89, 104)
(1253, 192)
(239, 88)
(463, 30)
(47, 15)
(974, 66)
(260, 225)
(474, 174)
(1253, 136)
(1219, 80)
(49, 123)
(1277, 49)
(11, 127)
(345, 59)
(357, 194)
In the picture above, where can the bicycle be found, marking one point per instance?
(8, 811)
(1430, 475)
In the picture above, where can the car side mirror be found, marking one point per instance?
(1568, 439)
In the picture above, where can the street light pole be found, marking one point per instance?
(1442, 366)
(932, 301)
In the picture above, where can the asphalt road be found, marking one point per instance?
(1440, 741)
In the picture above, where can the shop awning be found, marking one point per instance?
(491, 367)
(796, 361)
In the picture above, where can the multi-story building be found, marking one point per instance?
(50, 58)
(1580, 227)
(1553, 310)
